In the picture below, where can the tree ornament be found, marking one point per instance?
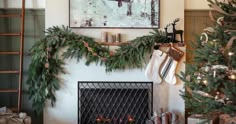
(90, 49)
(103, 59)
(86, 44)
(222, 67)
(207, 68)
(214, 73)
(202, 93)
(209, 29)
(205, 82)
(220, 21)
(46, 65)
(111, 53)
(217, 95)
(95, 54)
(232, 75)
(204, 40)
(199, 78)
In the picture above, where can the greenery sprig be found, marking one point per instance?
(47, 62)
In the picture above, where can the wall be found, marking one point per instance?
(198, 4)
(65, 110)
(36, 4)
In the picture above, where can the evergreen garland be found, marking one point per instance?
(47, 63)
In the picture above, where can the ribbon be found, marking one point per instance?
(230, 42)
(211, 16)
(217, 8)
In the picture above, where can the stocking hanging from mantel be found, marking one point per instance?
(152, 70)
(162, 66)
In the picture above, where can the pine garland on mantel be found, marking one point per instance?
(47, 62)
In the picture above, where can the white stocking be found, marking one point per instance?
(152, 70)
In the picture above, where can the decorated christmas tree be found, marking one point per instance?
(210, 79)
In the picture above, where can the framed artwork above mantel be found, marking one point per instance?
(114, 13)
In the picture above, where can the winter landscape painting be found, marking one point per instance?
(114, 13)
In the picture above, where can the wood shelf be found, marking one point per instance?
(113, 43)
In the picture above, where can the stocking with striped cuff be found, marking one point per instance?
(167, 69)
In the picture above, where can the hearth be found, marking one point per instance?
(114, 102)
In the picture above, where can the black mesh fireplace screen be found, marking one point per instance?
(114, 102)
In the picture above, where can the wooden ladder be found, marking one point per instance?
(19, 53)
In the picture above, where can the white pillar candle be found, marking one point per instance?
(109, 38)
(104, 36)
(118, 37)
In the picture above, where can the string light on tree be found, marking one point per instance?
(230, 53)
(199, 78)
(232, 75)
(217, 95)
(205, 82)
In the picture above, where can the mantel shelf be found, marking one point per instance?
(113, 43)
(178, 44)
(121, 43)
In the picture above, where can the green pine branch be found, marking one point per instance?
(47, 63)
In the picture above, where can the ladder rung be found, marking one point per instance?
(10, 34)
(9, 91)
(7, 53)
(9, 15)
(9, 72)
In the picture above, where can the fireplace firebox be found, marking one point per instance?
(114, 102)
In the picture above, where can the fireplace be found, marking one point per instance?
(114, 102)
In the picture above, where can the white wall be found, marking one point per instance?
(197, 4)
(35, 4)
(65, 110)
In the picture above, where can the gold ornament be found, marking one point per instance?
(205, 82)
